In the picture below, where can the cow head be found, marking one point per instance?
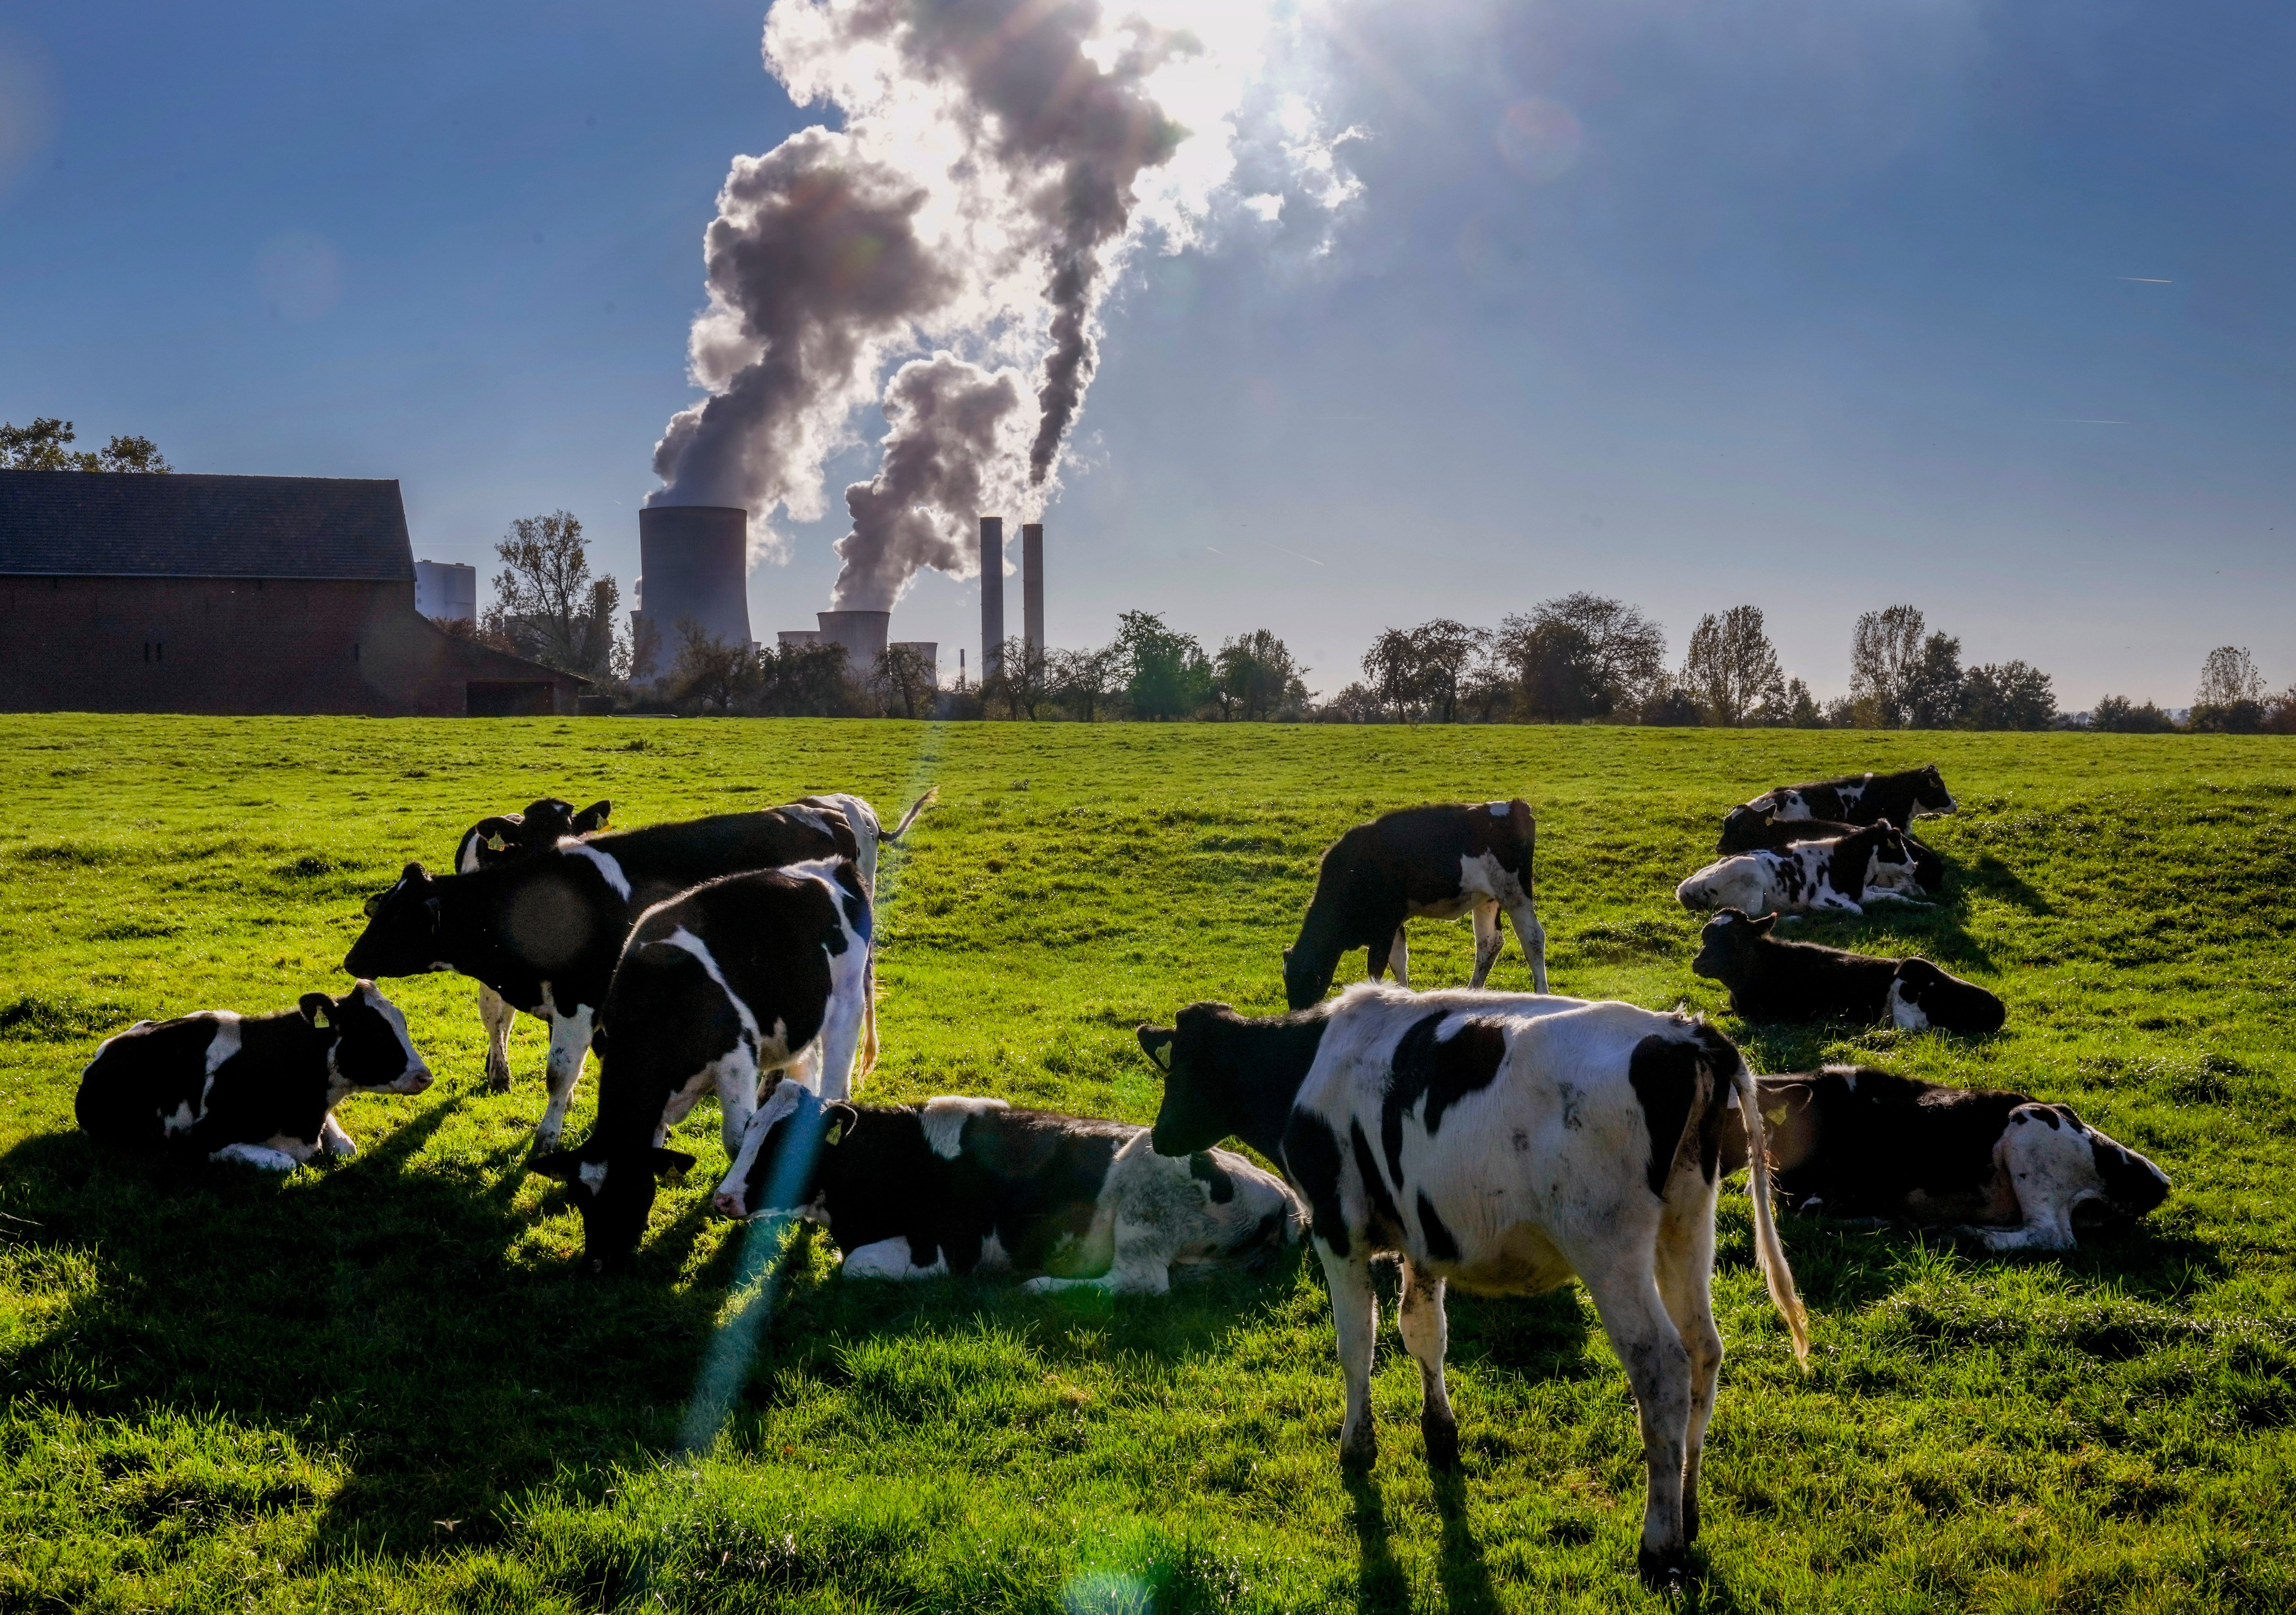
(612, 1187)
(368, 1050)
(1893, 854)
(1929, 794)
(401, 938)
(544, 822)
(1305, 981)
(592, 819)
(2106, 1179)
(1727, 947)
(777, 1170)
(1740, 823)
(1199, 1107)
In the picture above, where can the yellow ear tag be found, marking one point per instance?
(1778, 1118)
(494, 843)
(1164, 1056)
(836, 1132)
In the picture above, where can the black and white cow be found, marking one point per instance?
(740, 977)
(1433, 863)
(1753, 834)
(546, 930)
(2001, 1168)
(1854, 799)
(505, 838)
(1839, 876)
(959, 1186)
(256, 1089)
(1771, 978)
(1505, 1145)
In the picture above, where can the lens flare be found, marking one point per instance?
(1539, 139)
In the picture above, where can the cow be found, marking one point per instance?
(505, 838)
(741, 977)
(1749, 833)
(2001, 1168)
(1839, 876)
(962, 1185)
(1854, 799)
(259, 1090)
(546, 931)
(1771, 978)
(1505, 1143)
(1436, 863)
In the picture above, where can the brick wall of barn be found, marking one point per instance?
(250, 645)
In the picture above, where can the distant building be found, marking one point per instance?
(121, 592)
(447, 588)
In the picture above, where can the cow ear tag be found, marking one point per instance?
(1163, 1055)
(836, 1132)
(494, 843)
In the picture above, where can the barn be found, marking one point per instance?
(125, 592)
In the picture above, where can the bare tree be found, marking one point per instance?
(2229, 675)
(1023, 682)
(1731, 668)
(1086, 681)
(546, 601)
(904, 677)
(1885, 649)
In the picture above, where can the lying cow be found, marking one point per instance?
(256, 1089)
(961, 1185)
(1771, 978)
(545, 930)
(1505, 1143)
(1750, 834)
(741, 977)
(1854, 799)
(1431, 863)
(2001, 1168)
(505, 838)
(1839, 876)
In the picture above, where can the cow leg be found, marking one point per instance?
(869, 1015)
(1355, 1314)
(1685, 1275)
(1532, 935)
(261, 1157)
(737, 1097)
(333, 1140)
(840, 1037)
(1426, 1336)
(1398, 958)
(496, 1016)
(570, 1045)
(1488, 940)
(1658, 1367)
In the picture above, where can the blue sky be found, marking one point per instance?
(1987, 307)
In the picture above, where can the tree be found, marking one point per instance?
(1794, 708)
(2008, 695)
(1672, 706)
(1166, 672)
(1355, 704)
(710, 670)
(1731, 668)
(1932, 695)
(1444, 650)
(1254, 675)
(1885, 648)
(463, 627)
(1086, 681)
(2230, 699)
(1023, 680)
(2118, 714)
(801, 681)
(40, 447)
(904, 677)
(1392, 666)
(1583, 655)
(546, 601)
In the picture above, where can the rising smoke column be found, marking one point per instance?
(985, 189)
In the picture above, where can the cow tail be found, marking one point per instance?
(1768, 1253)
(910, 817)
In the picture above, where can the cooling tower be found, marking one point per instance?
(693, 565)
(861, 633)
(1032, 583)
(992, 597)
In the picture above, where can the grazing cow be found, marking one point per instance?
(1855, 799)
(1435, 863)
(1754, 834)
(256, 1089)
(1505, 1143)
(959, 1186)
(742, 976)
(1771, 978)
(2001, 1168)
(545, 930)
(505, 838)
(1839, 876)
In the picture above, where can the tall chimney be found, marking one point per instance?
(1032, 583)
(992, 597)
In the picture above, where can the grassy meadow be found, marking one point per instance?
(381, 1385)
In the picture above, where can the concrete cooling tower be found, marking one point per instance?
(693, 564)
(861, 633)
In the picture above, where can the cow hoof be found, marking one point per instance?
(1661, 1572)
(498, 1082)
(1359, 1455)
(1442, 1446)
(1689, 1521)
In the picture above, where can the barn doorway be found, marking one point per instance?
(522, 700)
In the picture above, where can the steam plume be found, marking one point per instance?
(999, 160)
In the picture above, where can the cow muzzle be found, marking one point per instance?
(730, 1202)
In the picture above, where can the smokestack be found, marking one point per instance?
(992, 597)
(1032, 583)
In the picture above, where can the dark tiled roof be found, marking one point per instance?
(118, 524)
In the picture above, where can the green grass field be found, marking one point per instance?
(380, 1384)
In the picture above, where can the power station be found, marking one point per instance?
(693, 567)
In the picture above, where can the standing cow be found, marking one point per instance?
(505, 838)
(1506, 1144)
(1432, 863)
